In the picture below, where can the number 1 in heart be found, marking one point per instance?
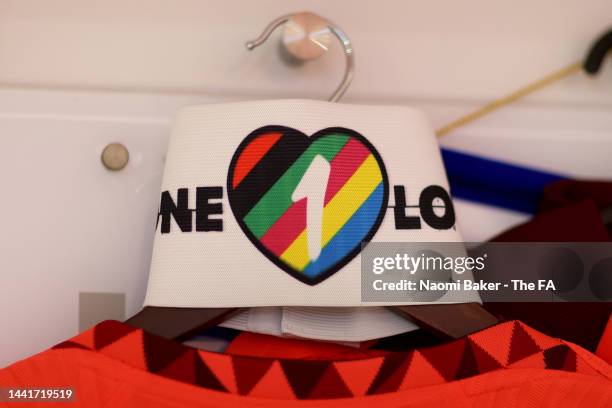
(312, 187)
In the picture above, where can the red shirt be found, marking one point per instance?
(510, 364)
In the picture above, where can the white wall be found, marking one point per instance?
(405, 50)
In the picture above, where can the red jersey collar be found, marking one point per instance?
(504, 346)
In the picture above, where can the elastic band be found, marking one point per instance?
(514, 96)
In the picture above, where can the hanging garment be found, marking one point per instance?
(570, 211)
(510, 364)
(250, 246)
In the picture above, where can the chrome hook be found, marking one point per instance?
(306, 37)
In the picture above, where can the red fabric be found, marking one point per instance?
(604, 349)
(509, 364)
(564, 192)
(570, 212)
(574, 222)
(262, 345)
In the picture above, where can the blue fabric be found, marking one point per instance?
(495, 183)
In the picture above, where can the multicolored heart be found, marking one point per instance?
(268, 169)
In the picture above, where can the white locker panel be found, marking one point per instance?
(452, 50)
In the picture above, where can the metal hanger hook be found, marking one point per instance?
(306, 37)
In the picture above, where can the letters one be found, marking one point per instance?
(183, 215)
(426, 207)
(207, 204)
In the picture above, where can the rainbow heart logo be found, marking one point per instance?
(308, 203)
